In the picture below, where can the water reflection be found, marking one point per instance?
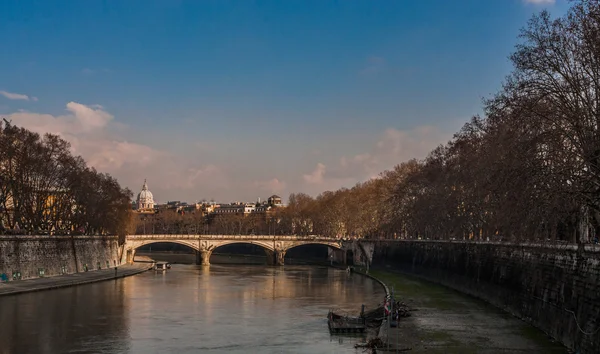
(58, 320)
(233, 309)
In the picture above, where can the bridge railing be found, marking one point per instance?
(233, 237)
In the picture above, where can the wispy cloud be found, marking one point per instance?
(317, 176)
(17, 96)
(393, 147)
(89, 71)
(539, 2)
(374, 66)
(273, 185)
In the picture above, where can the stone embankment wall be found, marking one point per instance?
(53, 255)
(556, 289)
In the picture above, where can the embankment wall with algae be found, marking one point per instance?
(28, 256)
(555, 288)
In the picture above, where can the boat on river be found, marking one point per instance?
(345, 324)
(162, 265)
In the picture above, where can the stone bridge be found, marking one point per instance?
(275, 246)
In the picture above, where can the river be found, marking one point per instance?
(190, 309)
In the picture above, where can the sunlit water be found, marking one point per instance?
(190, 309)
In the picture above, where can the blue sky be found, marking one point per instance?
(238, 99)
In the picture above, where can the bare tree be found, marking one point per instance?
(46, 190)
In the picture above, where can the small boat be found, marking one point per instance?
(162, 266)
(344, 324)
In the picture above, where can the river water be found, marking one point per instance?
(190, 309)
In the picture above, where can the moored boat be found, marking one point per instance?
(162, 266)
(345, 324)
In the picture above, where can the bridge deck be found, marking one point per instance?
(232, 237)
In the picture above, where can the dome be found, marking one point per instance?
(145, 199)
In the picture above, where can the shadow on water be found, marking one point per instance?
(56, 320)
(446, 321)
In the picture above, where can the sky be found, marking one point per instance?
(235, 100)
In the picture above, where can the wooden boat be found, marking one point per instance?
(344, 324)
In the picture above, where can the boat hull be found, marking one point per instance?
(341, 324)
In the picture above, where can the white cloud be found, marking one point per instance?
(273, 185)
(195, 176)
(316, 176)
(85, 127)
(94, 134)
(17, 96)
(113, 155)
(204, 170)
(82, 119)
(394, 147)
(539, 2)
(319, 181)
(89, 117)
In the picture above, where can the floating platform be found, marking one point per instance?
(345, 324)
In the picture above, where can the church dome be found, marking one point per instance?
(145, 199)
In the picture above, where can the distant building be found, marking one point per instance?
(235, 208)
(145, 200)
(275, 200)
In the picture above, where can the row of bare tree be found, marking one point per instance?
(196, 222)
(527, 171)
(44, 189)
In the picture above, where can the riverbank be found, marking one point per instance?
(446, 321)
(61, 281)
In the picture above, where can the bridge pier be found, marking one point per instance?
(279, 257)
(275, 258)
(337, 256)
(203, 257)
(130, 256)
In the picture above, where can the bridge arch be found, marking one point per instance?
(334, 245)
(313, 251)
(192, 245)
(264, 244)
(267, 246)
(131, 247)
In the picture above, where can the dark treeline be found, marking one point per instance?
(44, 189)
(529, 170)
